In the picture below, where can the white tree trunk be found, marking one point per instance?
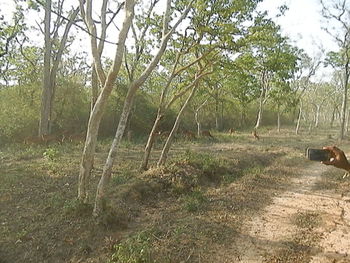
(107, 170)
(98, 109)
(46, 87)
(297, 128)
(164, 155)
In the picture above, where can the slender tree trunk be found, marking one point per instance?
(259, 117)
(46, 87)
(317, 115)
(344, 103)
(167, 145)
(150, 142)
(278, 120)
(347, 122)
(94, 86)
(332, 118)
(107, 169)
(217, 113)
(98, 109)
(50, 71)
(260, 110)
(297, 128)
(199, 126)
(196, 116)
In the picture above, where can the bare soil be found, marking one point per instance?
(303, 224)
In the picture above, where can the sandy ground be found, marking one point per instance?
(269, 232)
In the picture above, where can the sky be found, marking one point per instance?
(302, 23)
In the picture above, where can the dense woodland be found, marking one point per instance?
(150, 69)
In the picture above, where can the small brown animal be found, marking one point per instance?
(207, 134)
(163, 134)
(189, 135)
(77, 137)
(231, 131)
(255, 135)
(44, 139)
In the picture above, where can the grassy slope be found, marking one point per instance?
(193, 212)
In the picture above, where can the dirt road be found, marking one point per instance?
(301, 225)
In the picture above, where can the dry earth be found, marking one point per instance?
(302, 224)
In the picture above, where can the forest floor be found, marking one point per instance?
(231, 199)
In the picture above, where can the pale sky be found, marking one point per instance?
(301, 23)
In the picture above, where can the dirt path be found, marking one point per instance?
(301, 225)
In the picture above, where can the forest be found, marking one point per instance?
(151, 131)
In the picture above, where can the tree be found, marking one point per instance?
(52, 58)
(170, 95)
(133, 86)
(337, 11)
(276, 60)
(107, 84)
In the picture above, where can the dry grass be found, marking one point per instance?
(186, 211)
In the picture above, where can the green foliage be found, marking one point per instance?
(19, 114)
(51, 154)
(194, 201)
(206, 163)
(135, 249)
(76, 207)
(125, 176)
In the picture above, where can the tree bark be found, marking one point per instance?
(164, 155)
(46, 87)
(150, 142)
(107, 170)
(98, 109)
(297, 128)
(345, 99)
(278, 120)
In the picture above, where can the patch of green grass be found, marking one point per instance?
(194, 201)
(208, 164)
(135, 249)
(124, 177)
(254, 170)
(76, 207)
(51, 154)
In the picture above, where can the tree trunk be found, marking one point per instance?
(150, 142)
(94, 86)
(97, 112)
(259, 117)
(260, 111)
(167, 145)
(46, 87)
(317, 115)
(278, 121)
(297, 128)
(217, 113)
(199, 126)
(107, 169)
(344, 103)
